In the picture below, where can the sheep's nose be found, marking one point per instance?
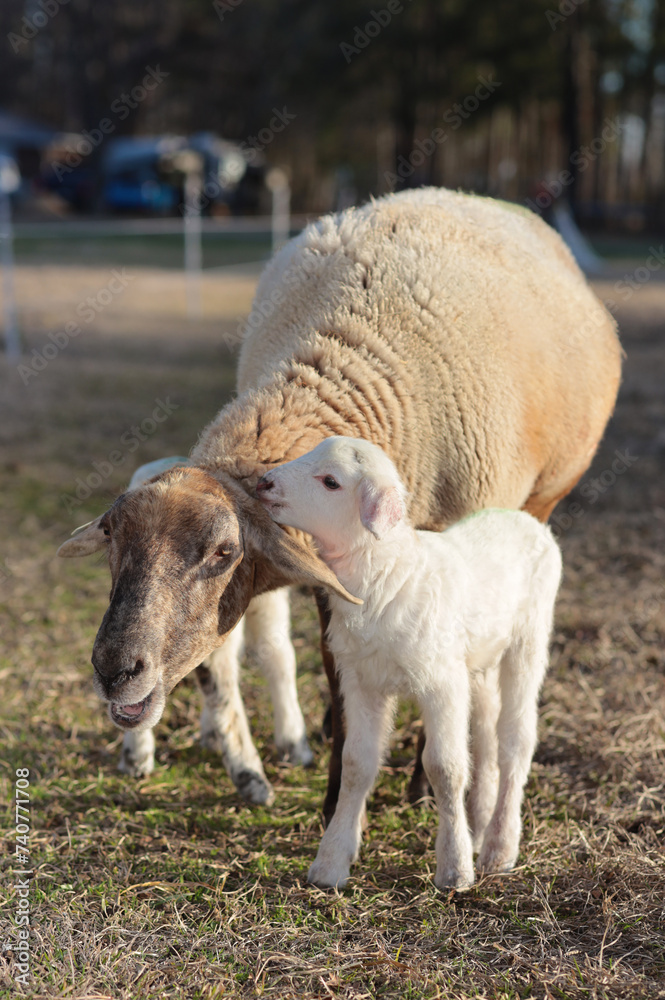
(264, 484)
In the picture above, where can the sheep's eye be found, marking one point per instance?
(330, 483)
(222, 552)
(107, 532)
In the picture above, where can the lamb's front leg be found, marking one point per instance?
(368, 719)
(224, 726)
(268, 636)
(446, 762)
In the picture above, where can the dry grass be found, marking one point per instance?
(171, 886)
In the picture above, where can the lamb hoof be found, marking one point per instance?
(496, 865)
(254, 788)
(454, 880)
(496, 861)
(136, 767)
(296, 753)
(326, 876)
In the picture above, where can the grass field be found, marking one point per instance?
(165, 251)
(171, 886)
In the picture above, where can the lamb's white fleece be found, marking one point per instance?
(459, 620)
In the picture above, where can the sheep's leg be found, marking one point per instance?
(481, 800)
(224, 726)
(419, 787)
(521, 673)
(368, 717)
(336, 711)
(138, 753)
(268, 637)
(446, 761)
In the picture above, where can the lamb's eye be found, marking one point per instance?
(330, 483)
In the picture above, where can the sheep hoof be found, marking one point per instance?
(254, 788)
(296, 753)
(459, 881)
(326, 876)
(136, 767)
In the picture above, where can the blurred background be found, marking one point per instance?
(528, 100)
(152, 154)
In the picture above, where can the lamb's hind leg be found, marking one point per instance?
(481, 800)
(446, 762)
(224, 726)
(521, 672)
(268, 636)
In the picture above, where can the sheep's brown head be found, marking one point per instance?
(187, 552)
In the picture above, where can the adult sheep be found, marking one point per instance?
(456, 332)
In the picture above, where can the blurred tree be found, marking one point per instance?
(368, 84)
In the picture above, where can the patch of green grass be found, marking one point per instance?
(171, 886)
(165, 251)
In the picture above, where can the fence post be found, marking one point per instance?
(10, 181)
(277, 181)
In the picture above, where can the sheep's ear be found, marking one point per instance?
(381, 507)
(283, 558)
(85, 540)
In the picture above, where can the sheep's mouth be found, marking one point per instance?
(129, 716)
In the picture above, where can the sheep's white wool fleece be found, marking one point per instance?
(454, 331)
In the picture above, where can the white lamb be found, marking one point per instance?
(459, 620)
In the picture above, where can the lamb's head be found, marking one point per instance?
(187, 552)
(337, 492)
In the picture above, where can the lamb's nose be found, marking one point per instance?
(264, 484)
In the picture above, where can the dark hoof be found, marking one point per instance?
(254, 788)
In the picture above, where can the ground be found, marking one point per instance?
(171, 886)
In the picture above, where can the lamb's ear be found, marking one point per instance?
(283, 558)
(85, 540)
(381, 506)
